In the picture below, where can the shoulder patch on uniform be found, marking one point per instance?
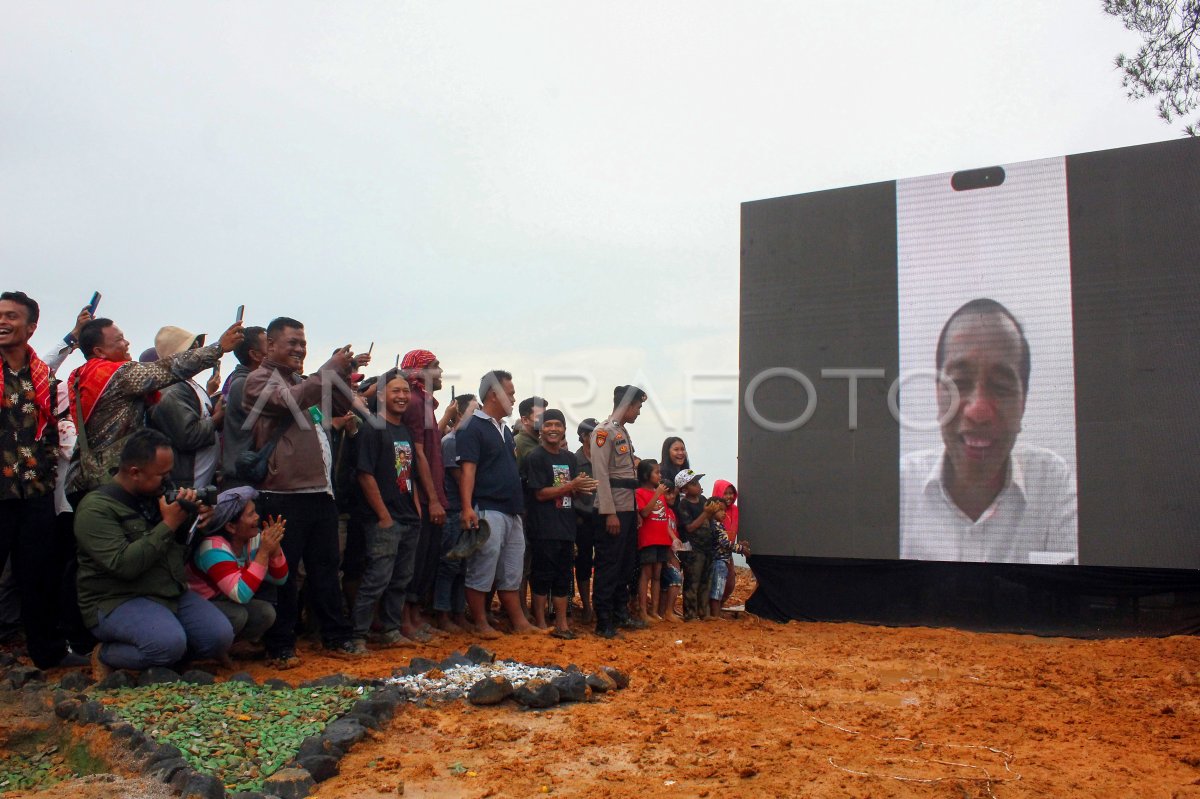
(601, 437)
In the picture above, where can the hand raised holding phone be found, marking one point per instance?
(232, 336)
(343, 359)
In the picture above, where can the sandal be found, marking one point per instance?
(566, 635)
(287, 660)
(420, 636)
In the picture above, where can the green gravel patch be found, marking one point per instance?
(45, 760)
(239, 733)
(40, 768)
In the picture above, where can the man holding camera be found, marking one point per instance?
(133, 590)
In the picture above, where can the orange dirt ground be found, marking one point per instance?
(749, 708)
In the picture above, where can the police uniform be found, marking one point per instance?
(616, 555)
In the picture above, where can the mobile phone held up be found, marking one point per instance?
(94, 303)
(240, 313)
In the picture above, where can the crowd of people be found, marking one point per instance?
(152, 518)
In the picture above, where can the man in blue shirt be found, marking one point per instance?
(492, 492)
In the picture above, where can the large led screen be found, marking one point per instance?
(995, 365)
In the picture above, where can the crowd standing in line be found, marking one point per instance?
(175, 520)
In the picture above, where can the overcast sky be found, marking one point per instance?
(551, 188)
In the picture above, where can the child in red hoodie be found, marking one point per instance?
(725, 491)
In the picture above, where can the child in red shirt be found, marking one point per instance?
(654, 537)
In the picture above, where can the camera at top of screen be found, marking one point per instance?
(205, 495)
(983, 178)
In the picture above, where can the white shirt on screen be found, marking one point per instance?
(1034, 518)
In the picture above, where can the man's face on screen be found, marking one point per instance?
(982, 359)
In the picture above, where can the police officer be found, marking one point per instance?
(616, 540)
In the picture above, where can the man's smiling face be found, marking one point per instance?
(15, 328)
(288, 348)
(982, 359)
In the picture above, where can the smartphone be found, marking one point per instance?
(94, 303)
(241, 312)
(452, 394)
(397, 361)
(216, 370)
(370, 348)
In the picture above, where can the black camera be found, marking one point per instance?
(206, 495)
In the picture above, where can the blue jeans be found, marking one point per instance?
(719, 577)
(449, 592)
(391, 553)
(140, 633)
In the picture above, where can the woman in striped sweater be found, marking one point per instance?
(231, 565)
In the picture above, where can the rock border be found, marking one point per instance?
(316, 761)
(319, 755)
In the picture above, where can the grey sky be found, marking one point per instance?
(488, 180)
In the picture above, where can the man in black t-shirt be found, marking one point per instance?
(386, 478)
(552, 479)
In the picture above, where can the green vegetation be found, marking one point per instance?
(237, 732)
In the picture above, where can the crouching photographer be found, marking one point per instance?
(133, 588)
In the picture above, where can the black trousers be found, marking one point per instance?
(616, 558)
(585, 549)
(311, 537)
(78, 635)
(29, 533)
(425, 567)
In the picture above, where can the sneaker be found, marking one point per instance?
(630, 623)
(354, 647)
(247, 650)
(608, 633)
(391, 638)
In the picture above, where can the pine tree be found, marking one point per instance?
(1167, 65)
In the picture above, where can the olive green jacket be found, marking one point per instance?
(122, 555)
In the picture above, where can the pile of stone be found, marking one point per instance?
(482, 680)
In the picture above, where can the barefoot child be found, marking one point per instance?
(671, 583)
(723, 550)
(654, 537)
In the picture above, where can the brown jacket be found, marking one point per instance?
(276, 395)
